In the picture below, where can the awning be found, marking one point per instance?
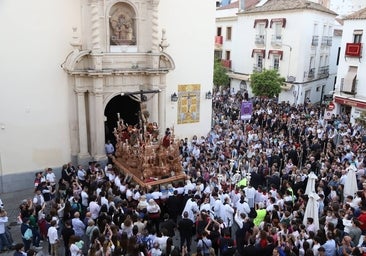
(238, 76)
(259, 51)
(286, 86)
(263, 21)
(349, 79)
(275, 52)
(278, 20)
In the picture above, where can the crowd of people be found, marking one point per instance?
(244, 193)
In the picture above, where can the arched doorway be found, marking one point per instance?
(128, 109)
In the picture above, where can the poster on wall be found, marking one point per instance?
(189, 103)
(246, 110)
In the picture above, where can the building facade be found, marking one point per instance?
(350, 91)
(71, 68)
(270, 37)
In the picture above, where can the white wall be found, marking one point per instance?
(33, 100)
(190, 31)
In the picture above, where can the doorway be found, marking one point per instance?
(128, 109)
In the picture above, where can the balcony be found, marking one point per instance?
(275, 67)
(311, 73)
(259, 39)
(315, 41)
(353, 50)
(276, 40)
(323, 71)
(218, 40)
(257, 68)
(329, 41)
(226, 63)
(324, 40)
(349, 88)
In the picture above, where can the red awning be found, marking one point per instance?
(275, 52)
(259, 51)
(278, 20)
(265, 21)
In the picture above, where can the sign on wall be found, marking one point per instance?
(189, 103)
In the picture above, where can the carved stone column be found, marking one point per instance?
(155, 26)
(99, 125)
(162, 106)
(95, 26)
(98, 113)
(83, 155)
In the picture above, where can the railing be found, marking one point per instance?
(275, 67)
(323, 71)
(329, 41)
(353, 90)
(276, 39)
(315, 41)
(257, 68)
(218, 40)
(259, 39)
(324, 40)
(311, 73)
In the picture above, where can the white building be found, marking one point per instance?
(270, 36)
(350, 92)
(69, 66)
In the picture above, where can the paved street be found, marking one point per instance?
(11, 204)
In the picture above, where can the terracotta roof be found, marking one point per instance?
(359, 15)
(248, 3)
(283, 5)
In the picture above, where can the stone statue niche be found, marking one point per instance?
(122, 24)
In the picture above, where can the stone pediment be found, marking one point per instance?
(80, 62)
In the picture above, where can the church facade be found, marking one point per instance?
(72, 70)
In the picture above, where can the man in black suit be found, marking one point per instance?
(173, 206)
(185, 227)
(251, 249)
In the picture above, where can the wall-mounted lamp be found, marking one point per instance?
(208, 95)
(174, 97)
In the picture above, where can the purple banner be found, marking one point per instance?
(246, 110)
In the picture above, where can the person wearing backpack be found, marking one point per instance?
(27, 233)
(227, 244)
(204, 244)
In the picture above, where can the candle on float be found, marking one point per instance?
(118, 116)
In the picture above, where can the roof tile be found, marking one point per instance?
(283, 5)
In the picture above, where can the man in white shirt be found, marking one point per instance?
(94, 208)
(51, 177)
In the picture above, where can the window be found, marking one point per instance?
(228, 33)
(259, 61)
(276, 62)
(318, 88)
(261, 29)
(357, 36)
(227, 55)
(321, 61)
(218, 31)
(278, 30)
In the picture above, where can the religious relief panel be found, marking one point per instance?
(189, 103)
(122, 24)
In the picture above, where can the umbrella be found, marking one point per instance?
(310, 186)
(312, 210)
(350, 186)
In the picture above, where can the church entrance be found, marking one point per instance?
(128, 109)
